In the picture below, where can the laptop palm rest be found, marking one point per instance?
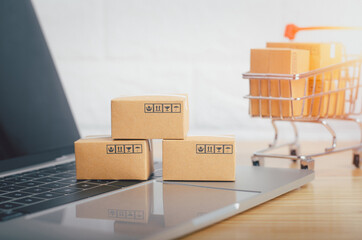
(157, 210)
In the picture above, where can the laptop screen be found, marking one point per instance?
(36, 123)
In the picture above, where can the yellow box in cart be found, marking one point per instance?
(278, 61)
(105, 158)
(322, 55)
(199, 158)
(150, 117)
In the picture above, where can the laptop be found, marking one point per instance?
(40, 197)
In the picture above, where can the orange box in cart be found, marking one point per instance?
(278, 61)
(150, 117)
(197, 158)
(322, 55)
(105, 158)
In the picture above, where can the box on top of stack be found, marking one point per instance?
(150, 117)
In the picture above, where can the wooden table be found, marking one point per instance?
(330, 207)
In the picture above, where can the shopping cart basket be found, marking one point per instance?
(329, 93)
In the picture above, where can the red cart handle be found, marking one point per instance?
(291, 29)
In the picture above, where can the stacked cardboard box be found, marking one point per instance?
(296, 58)
(281, 61)
(322, 55)
(128, 154)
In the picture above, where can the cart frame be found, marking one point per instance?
(330, 77)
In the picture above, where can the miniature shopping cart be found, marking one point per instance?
(331, 92)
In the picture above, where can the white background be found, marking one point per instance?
(104, 49)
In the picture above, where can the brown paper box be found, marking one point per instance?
(131, 207)
(150, 117)
(199, 159)
(322, 55)
(280, 61)
(104, 158)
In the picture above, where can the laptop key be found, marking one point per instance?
(4, 199)
(65, 167)
(17, 194)
(4, 216)
(67, 190)
(36, 175)
(124, 183)
(29, 184)
(101, 181)
(20, 179)
(47, 179)
(7, 178)
(55, 185)
(36, 190)
(64, 175)
(71, 181)
(51, 171)
(85, 185)
(9, 205)
(4, 184)
(48, 195)
(11, 188)
(28, 200)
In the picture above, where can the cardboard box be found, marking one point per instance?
(322, 55)
(150, 117)
(104, 158)
(133, 206)
(199, 159)
(280, 61)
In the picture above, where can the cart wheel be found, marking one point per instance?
(356, 160)
(257, 161)
(307, 164)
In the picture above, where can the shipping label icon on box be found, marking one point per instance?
(214, 149)
(124, 148)
(162, 108)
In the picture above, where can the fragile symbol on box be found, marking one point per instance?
(162, 108)
(124, 148)
(214, 148)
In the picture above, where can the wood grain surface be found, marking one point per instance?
(330, 207)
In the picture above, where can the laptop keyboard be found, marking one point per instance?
(49, 187)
